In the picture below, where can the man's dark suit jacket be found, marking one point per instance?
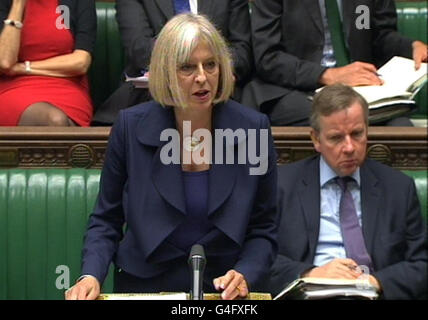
(392, 225)
(138, 189)
(288, 40)
(140, 21)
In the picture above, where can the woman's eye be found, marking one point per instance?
(209, 66)
(186, 68)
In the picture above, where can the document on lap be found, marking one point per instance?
(395, 97)
(401, 82)
(325, 288)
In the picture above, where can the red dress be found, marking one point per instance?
(41, 39)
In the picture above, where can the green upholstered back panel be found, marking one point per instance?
(108, 63)
(420, 177)
(412, 22)
(43, 218)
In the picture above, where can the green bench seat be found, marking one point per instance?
(43, 218)
(412, 22)
(109, 60)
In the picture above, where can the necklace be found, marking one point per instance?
(191, 143)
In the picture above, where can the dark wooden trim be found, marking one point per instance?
(399, 147)
(40, 147)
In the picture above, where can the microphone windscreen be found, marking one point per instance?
(197, 250)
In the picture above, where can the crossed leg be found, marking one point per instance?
(44, 114)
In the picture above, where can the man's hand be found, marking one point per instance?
(86, 289)
(233, 285)
(354, 74)
(420, 53)
(336, 269)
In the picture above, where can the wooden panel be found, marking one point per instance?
(399, 147)
(40, 147)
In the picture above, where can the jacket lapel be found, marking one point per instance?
(167, 179)
(370, 198)
(167, 8)
(314, 11)
(222, 176)
(309, 194)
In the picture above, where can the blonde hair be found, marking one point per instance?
(173, 48)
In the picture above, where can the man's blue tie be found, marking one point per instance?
(181, 6)
(351, 230)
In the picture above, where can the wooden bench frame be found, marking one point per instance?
(41, 147)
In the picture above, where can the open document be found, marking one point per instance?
(324, 288)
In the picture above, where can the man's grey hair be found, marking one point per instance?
(335, 98)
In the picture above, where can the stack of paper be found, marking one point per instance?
(324, 288)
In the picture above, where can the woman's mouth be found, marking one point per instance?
(202, 95)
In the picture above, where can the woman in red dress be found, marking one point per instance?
(45, 52)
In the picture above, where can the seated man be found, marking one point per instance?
(140, 21)
(328, 227)
(298, 47)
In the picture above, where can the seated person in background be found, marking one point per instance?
(43, 63)
(170, 207)
(382, 226)
(298, 47)
(140, 21)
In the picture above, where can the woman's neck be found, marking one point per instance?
(190, 145)
(199, 119)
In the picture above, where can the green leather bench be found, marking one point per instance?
(109, 59)
(43, 218)
(412, 22)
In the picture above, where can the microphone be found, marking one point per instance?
(197, 263)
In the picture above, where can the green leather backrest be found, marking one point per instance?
(420, 177)
(412, 22)
(108, 60)
(43, 218)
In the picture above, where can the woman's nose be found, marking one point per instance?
(200, 74)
